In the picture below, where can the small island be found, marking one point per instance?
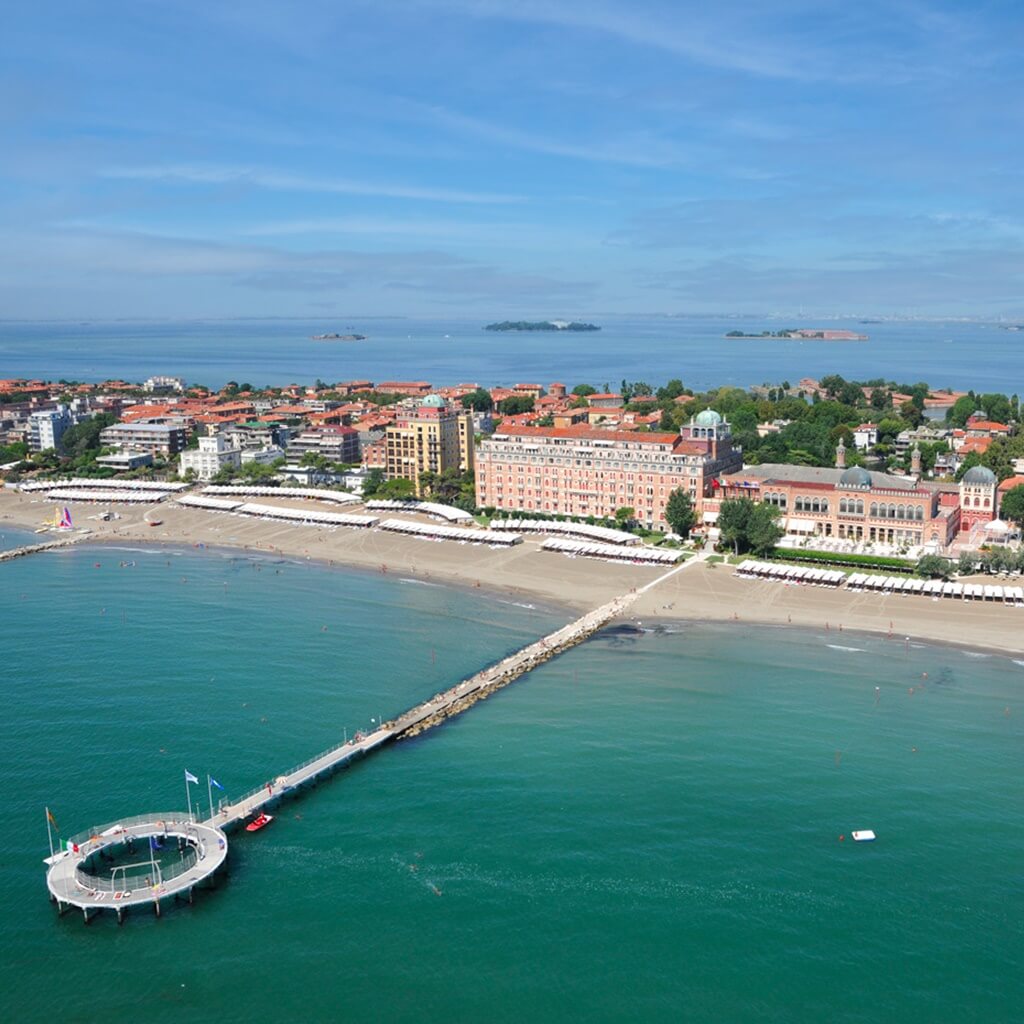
(802, 334)
(338, 337)
(541, 325)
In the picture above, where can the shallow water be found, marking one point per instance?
(646, 828)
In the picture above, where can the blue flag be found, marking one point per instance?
(214, 782)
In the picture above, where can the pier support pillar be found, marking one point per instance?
(85, 914)
(120, 915)
(156, 907)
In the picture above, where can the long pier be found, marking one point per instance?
(70, 876)
(424, 716)
(204, 845)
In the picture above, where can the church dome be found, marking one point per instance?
(707, 418)
(433, 402)
(979, 475)
(855, 476)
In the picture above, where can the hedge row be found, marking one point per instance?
(837, 558)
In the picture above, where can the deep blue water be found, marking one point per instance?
(656, 349)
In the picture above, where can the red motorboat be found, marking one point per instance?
(260, 821)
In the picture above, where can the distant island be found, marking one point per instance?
(338, 337)
(541, 325)
(802, 334)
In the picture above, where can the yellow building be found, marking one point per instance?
(430, 439)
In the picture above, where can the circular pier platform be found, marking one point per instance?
(75, 879)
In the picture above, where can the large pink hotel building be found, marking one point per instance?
(583, 471)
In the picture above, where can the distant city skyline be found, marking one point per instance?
(499, 159)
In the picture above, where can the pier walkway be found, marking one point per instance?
(70, 885)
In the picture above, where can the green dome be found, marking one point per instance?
(433, 402)
(979, 475)
(707, 418)
(855, 476)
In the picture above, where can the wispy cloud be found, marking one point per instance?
(285, 182)
(686, 33)
(642, 149)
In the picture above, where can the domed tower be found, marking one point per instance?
(856, 478)
(977, 497)
(840, 455)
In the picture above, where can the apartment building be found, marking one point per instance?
(432, 437)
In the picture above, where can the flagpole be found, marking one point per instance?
(188, 797)
(49, 832)
(209, 792)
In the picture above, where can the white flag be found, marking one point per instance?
(189, 777)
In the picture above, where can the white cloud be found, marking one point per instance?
(285, 182)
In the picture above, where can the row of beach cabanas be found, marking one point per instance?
(612, 552)
(431, 532)
(428, 508)
(310, 493)
(791, 573)
(96, 495)
(938, 588)
(307, 516)
(303, 515)
(100, 484)
(598, 533)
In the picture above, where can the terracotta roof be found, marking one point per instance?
(581, 432)
(1010, 482)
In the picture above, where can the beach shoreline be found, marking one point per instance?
(698, 593)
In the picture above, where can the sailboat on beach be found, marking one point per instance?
(61, 521)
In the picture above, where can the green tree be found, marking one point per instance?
(373, 482)
(395, 490)
(583, 390)
(958, 412)
(679, 512)
(763, 530)
(85, 436)
(671, 391)
(624, 516)
(934, 567)
(967, 563)
(733, 519)
(478, 400)
(1012, 505)
(515, 404)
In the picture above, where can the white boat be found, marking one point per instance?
(863, 836)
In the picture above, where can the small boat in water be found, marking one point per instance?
(863, 836)
(260, 821)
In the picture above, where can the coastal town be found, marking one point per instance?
(827, 479)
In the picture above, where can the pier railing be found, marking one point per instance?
(96, 832)
(188, 861)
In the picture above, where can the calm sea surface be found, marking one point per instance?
(979, 356)
(645, 829)
(16, 537)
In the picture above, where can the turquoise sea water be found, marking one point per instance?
(646, 828)
(953, 354)
(16, 537)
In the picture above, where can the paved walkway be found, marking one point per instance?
(69, 884)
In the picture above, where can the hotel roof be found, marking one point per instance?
(783, 473)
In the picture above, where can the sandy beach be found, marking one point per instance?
(698, 592)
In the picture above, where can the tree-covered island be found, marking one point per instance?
(541, 325)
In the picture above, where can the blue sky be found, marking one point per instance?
(531, 158)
